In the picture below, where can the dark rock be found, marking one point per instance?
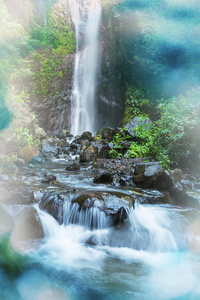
(108, 134)
(139, 169)
(48, 178)
(73, 167)
(74, 146)
(134, 123)
(27, 226)
(125, 181)
(109, 202)
(87, 135)
(104, 177)
(120, 216)
(103, 151)
(77, 139)
(163, 181)
(89, 153)
(138, 178)
(53, 204)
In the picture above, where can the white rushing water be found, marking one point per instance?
(86, 16)
(146, 258)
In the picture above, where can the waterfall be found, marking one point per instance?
(86, 16)
(91, 218)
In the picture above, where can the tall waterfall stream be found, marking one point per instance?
(86, 16)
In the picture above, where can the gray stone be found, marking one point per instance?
(134, 123)
(27, 225)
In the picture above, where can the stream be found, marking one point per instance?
(152, 255)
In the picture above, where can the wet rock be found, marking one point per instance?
(38, 195)
(88, 153)
(120, 216)
(139, 169)
(53, 204)
(103, 151)
(125, 181)
(111, 203)
(187, 184)
(26, 171)
(74, 146)
(48, 178)
(73, 167)
(108, 134)
(104, 177)
(182, 198)
(163, 181)
(87, 135)
(48, 150)
(153, 170)
(138, 178)
(134, 123)
(27, 226)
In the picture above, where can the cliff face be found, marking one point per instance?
(110, 91)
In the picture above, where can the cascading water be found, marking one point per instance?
(86, 16)
(144, 258)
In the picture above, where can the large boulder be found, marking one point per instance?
(48, 150)
(28, 227)
(53, 204)
(104, 177)
(152, 175)
(89, 153)
(134, 123)
(114, 204)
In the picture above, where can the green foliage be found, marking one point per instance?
(24, 136)
(173, 138)
(118, 140)
(138, 105)
(12, 263)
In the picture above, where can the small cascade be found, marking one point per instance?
(86, 16)
(155, 229)
(91, 218)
